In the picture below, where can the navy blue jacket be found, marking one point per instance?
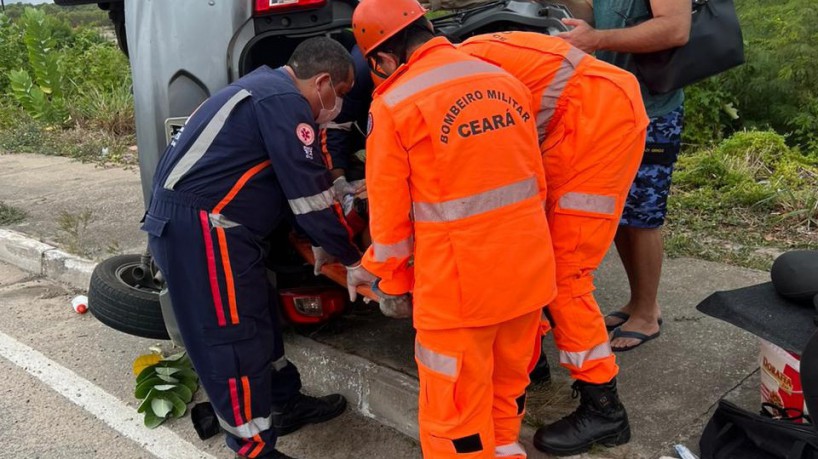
(347, 133)
(251, 153)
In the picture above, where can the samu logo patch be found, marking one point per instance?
(305, 133)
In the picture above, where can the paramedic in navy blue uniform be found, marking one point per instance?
(346, 135)
(246, 159)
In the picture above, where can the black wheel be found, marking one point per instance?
(119, 300)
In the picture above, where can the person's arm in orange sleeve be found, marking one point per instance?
(390, 205)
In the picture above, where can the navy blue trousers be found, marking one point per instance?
(227, 313)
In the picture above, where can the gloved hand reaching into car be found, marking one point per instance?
(342, 188)
(358, 275)
(394, 306)
(322, 257)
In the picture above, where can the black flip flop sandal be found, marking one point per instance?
(619, 315)
(619, 333)
(624, 316)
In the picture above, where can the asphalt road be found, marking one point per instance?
(66, 392)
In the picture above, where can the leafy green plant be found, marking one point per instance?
(710, 113)
(12, 49)
(778, 86)
(165, 389)
(42, 95)
(100, 65)
(11, 115)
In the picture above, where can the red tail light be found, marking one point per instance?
(312, 305)
(275, 6)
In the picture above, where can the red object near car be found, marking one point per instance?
(309, 306)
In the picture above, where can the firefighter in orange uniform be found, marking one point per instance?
(592, 124)
(456, 189)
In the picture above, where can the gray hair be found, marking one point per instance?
(321, 55)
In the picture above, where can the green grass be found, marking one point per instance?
(10, 215)
(743, 202)
(436, 14)
(87, 144)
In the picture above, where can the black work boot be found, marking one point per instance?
(303, 409)
(541, 374)
(600, 419)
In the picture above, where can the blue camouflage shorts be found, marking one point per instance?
(646, 205)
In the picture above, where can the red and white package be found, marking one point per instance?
(781, 377)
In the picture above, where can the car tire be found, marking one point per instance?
(117, 301)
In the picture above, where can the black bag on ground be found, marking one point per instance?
(715, 46)
(733, 433)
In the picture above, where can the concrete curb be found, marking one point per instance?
(43, 259)
(383, 394)
(22, 251)
(67, 268)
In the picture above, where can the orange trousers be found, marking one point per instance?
(583, 210)
(472, 388)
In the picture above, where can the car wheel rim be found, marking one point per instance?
(125, 275)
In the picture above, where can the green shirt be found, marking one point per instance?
(618, 14)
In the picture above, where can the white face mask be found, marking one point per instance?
(327, 115)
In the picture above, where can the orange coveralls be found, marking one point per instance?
(456, 190)
(592, 124)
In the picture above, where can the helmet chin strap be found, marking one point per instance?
(379, 73)
(402, 57)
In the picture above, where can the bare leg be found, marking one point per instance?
(641, 251)
(624, 248)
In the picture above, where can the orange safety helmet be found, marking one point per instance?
(375, 21)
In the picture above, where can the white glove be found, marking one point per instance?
(395, 306)
(357, 275)
(342, 188)
(322, 257)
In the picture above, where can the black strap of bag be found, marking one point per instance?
(778, 413)
(715, 45)
(735, 433)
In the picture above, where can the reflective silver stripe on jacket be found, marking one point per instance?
(512, 449)
(399, 249)
(440, 75)
(589, 203)
(314, 203)
(439, 363)
(548, 103)
(220, 221)
(341, 126)
(205, 139)
(248, 429)
(577, 359)
(456, 209)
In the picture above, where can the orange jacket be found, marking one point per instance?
(586, 108)
(456, 189)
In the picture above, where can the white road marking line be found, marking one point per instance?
(161, 442)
